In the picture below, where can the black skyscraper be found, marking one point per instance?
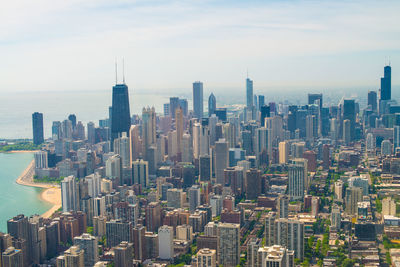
(349, 113)
(314, 97)
(386, 84)
(265, 112)
(72, 118)
(37, 126)
(372, 100)
(121, 118)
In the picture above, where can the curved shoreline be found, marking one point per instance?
(51, 193)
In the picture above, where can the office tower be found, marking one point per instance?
(221, 160)
(261, 101)
(165, 242)
(41, 159)
(313, 98)
(153, 216)
(372, 100)
(123, 254)
(12, 257)
(206, 258)
(174, 198)
(205, 168)
(396, 137)
(349, 113)
(386, 84)
(361, 182)
(118, 231)
(80, 131)
(72, 118)
(386, 148)
(88, 244)
(311, 129)
(122, 148)
(228, 235)
(335, 218)
(140, 243)
(56, 130)
(69, 195)
(296, 182)
(187, 148)
(229, 130)
(140, 173)
(37, 127)
(347, 132)
(73, 257)
(388, 206)
(290, 234)
(173, 105)
(194, 198)
(353, 196)
(135, 142)
(283, 206)
(148, 129)
(212, 104)
(263, 141)
(253, 184)
(67, 129)
(91, 133)
(121, 116)
(283, 152)
(249, 94)
(198, 99)
(265, 113)
(275, 255)
(114, 169)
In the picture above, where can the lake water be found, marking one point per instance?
(14, 198)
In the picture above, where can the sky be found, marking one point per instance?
(50, 45)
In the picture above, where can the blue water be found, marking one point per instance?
(14, 198)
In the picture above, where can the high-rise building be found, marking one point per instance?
(275, 256)
(253, 184)
(372, 100)
(315, 99)
(194, 198)
(41, 160)
(349, 113)
(148, 129)
(88, 244)
(221, 159)
(73, 257)
(335, 218)
(37, 127)
(122, 147)
(347, 130)
(388, 206)
(140, 173)
(228, 235)
(174, 198)
(283, 152)
(290, 234)
(153, 216)
(296, 181)
(118, 231)
(206, 258)
(249, 94)
(283, 206)
(252, 251)
(386, 83)
(261, 101)
(12, 257)
(139, 240)
(165, 242)
(173, 105)
(212, 104)
(121, 116)
(198, 99)
(205, 168)
(69, 196)
(123, 254)
(353, 196)
(91, 133)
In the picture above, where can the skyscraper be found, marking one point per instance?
(212, 104)
(69, 195)
(88, 244)
(349, 113)
(121, 116)
(386, 83)
(37, 127)
(296, 182)
(165, 242)
(221, 160)
(372, 100)
(228, 235)
(249, 94)
(198, 99)
(312, 98)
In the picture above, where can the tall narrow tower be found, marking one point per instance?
(198, 99)
(249, 93)
(386, 83)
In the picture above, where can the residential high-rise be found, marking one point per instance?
(283, 152)
(123, 254)
(228, 235)
(153, 216)
(121, 116)
(122, 147)
(212, 104)
(198, 99)
(165, 242)
(174, 198)
(91, 132)
(41, 161)
(253, 184)
(73, 257)
(140, 243)
(206, 258)
(88, 244)
(296, 181)
(335, 218)
(12, 257)
(249, 94)
(386, 83)
(283, 206)
(252, 251)
(148, 129)
(69, 196)
(353, 196)
(276, 256)
(290, 234)
(118, 231)
(194, 198)
(388, 206)
(37, 127)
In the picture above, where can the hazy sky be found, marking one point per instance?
(72, 44)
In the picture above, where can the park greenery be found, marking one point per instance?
(19, 146)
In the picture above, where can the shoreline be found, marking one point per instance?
(20, 151)
(51, 193)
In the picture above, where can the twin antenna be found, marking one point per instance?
(123, 71)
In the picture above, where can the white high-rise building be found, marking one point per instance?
(41, 160)
(339, 190)
(206, 258)
(296, 182)
(140, 173)
(165, 242)
(114, 168)
(94, 184)
(69, 195)
(275, 256)
(122, 147)
(88, 244)
(370, 142)
(216, 205)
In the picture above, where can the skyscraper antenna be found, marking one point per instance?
(123, 71)
(116, 72)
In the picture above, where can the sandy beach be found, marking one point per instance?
(51, 194)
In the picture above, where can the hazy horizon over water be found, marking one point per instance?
(17, 107)
(14, 198)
